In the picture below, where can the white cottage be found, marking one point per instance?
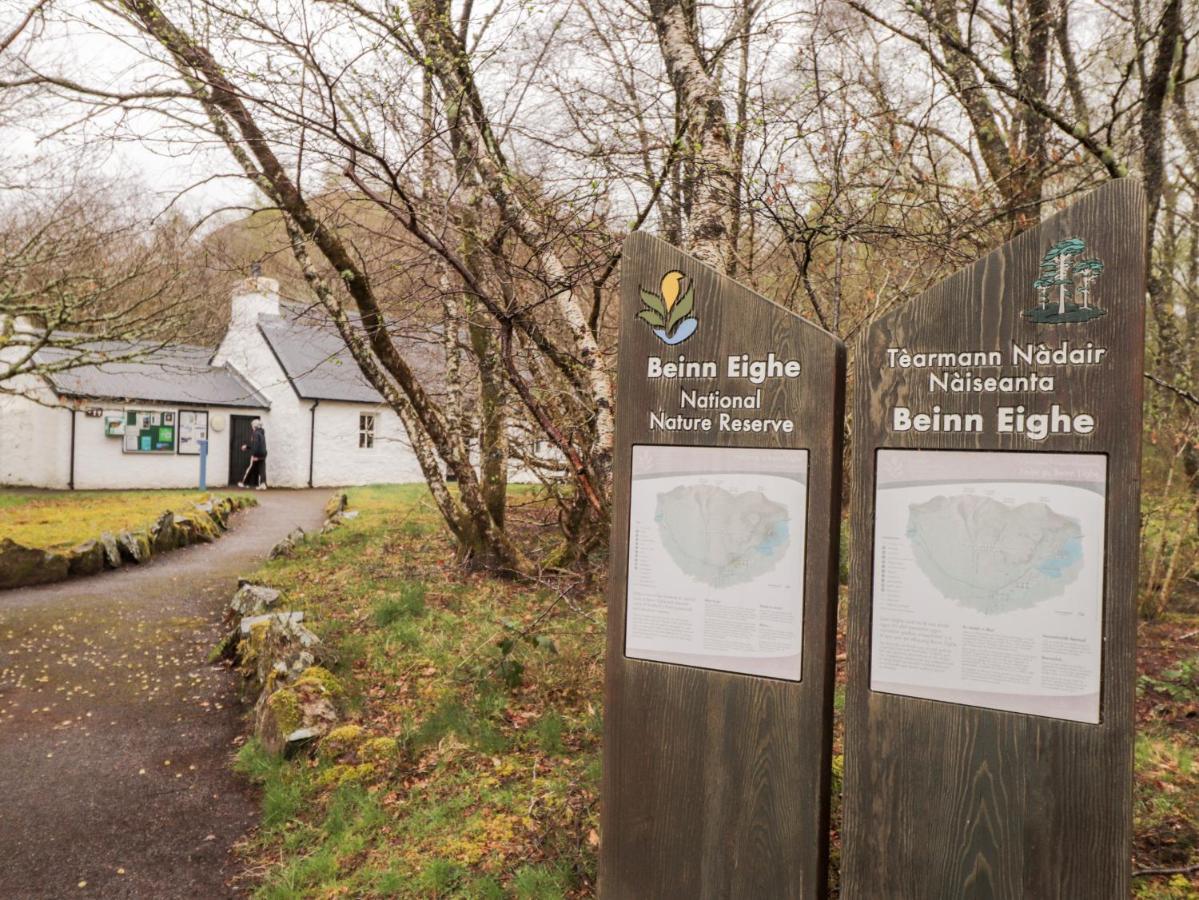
(138, 424)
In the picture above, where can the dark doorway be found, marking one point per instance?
(239, 436)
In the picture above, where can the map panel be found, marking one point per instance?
(990, 592)
(716, 558)
(994, 556)
(721, 538)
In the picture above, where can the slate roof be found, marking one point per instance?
(320, 366)
(178, 374)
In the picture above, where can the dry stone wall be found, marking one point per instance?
(22, 566)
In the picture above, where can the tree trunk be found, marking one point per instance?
(709, 148)
(1155, 95)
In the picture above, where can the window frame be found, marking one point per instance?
(366, 431)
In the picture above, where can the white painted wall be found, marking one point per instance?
(339, 459)
(35, 449)
(35, 440)
(101, 463)
(245, 349)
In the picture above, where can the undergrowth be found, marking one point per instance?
(490, 693)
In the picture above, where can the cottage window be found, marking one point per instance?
(366, 431)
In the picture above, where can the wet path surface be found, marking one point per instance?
(116, 735)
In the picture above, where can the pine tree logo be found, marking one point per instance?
(1065, 287)
(670, 311)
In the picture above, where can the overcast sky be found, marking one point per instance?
(133, 149)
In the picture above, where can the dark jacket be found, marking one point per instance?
(258, 442)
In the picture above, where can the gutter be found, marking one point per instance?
(312, 439)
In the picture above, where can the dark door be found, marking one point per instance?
(239, 436)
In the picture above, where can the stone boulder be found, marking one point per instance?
(112, 550)
(135, 546)
(336, 504)
(252, 600)
(217, 511)
(276, 647)
(185, 530)
(204, 529)
(164, 537)
(299, 712)
(287, 546)
(86, 559)
(22, 566)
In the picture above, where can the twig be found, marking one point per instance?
(1181, 392)
(1181, 870)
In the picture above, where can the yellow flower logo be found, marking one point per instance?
(669, 311)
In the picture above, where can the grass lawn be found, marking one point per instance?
(492, 692)
(55, 520)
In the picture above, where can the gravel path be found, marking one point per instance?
(116, 736)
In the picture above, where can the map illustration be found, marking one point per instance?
(991, 556)
(719, 537)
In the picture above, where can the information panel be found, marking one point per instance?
(193, 428)
(989, 590)
(716, 558)
(149, 431)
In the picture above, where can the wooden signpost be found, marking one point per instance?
(722, 593)
(992, 614)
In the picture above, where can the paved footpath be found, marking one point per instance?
(116, 736)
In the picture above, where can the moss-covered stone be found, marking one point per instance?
(336, 504)
(321, 678)
(86, 559)
(379, 750)
(135, 546)
(309, 705)
(285, 706)
(342, 741)
(163, 536)
(226, 647)
(252, 600)
(112, 551)
(343, 773)
(205, 528)
(22, 566)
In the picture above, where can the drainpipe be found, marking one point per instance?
(312, 439)
(71, 480)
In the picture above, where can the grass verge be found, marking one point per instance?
(55, 520)
(471, 764)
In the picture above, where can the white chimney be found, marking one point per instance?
(254, 297)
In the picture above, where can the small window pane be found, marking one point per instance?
(366, 431)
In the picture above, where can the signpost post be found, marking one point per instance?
(992, 614)
(722, 595)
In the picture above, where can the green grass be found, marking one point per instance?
(492, 790)
(56, 520)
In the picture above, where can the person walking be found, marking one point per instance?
(256, 472)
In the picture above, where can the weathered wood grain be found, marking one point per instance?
(716, 784)
(947, 800)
